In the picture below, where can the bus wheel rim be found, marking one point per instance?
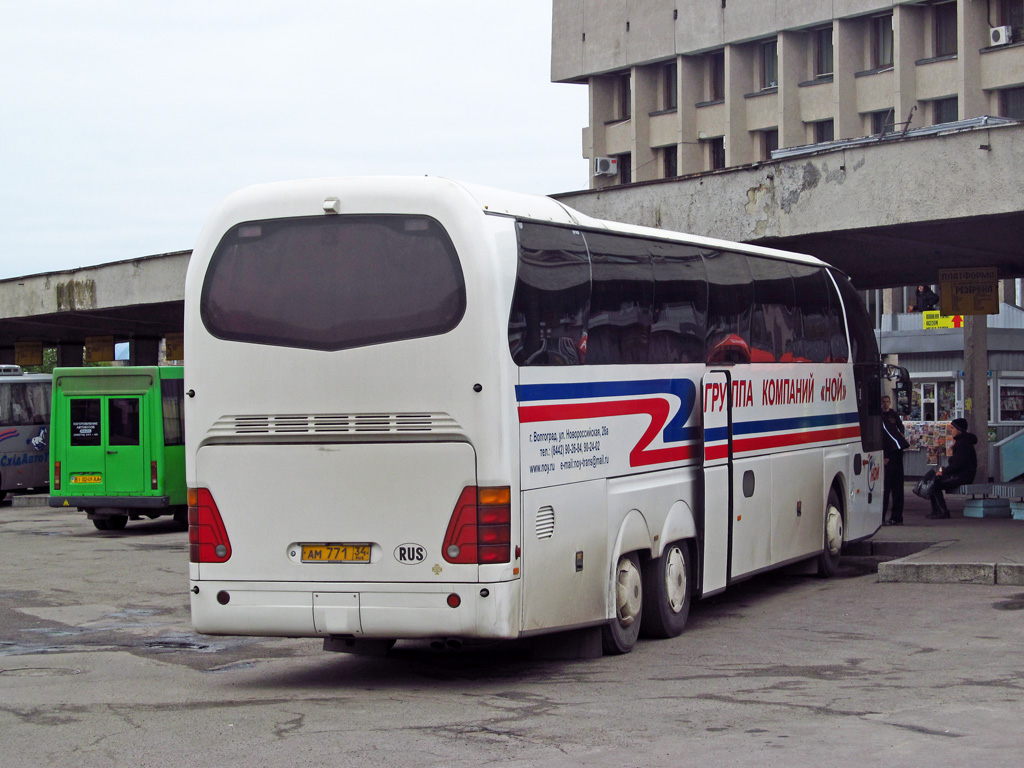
(675, 579)
(834, 530)
(628, 592)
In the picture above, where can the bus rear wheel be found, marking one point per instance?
(620, 634)
(668, 585)
(828, 560)
(117, 522)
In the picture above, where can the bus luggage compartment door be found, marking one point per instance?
(277, 500)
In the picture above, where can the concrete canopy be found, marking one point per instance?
(888, 213)
(891, 212)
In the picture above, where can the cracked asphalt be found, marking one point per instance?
(99, 667)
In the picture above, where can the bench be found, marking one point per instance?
(993, 500)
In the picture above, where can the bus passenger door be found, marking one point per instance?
(717, 484)
(125, 462)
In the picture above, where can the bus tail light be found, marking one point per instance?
(480, 528)
(207, 538)
(152, 475)
(56, 475)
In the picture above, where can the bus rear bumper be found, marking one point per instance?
(392, 611)
(124, 502)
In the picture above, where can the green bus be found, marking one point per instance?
(117, 444)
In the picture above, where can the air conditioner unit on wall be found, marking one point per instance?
(606, 166)
(1000, 35)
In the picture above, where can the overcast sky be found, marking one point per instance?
(124, 122)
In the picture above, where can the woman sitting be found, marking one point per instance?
(963, 464)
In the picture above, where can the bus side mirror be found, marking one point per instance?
(902, 387)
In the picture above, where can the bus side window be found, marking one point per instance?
(863, 347)
(812, 296)
(547, 324)
(730, 296)
(622, 291)
(679, 321)
(172, 395)
(773, 322)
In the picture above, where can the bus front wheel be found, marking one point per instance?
(668, 585)
(828, 560)
(620, 634)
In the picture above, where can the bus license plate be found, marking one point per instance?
(335, 553)
(86, 479)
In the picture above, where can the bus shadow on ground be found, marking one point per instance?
(411, 662)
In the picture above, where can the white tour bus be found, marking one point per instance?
(24, 424)
(424, 409)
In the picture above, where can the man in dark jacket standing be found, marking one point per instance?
(963, 464)
(895, 441)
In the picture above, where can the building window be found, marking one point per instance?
(824, 130)
(1011, 403)
(670, 161)
(1011, 13)
(769, 143)
(882, 122)
(715, 65)
(624, 97)
(945, 110)
(1011, 103)
(823, 52)
(933, 401)
(716, 153)
(944, 16)
(625, 166)
(881, 41)
(770, 64)
(670, 86)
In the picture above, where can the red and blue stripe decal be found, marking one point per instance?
(7, 434)
(758, 436)
(586, 400)
(593, 400)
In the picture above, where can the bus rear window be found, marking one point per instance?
(332, 283)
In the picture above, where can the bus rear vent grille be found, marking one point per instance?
(545, 523)
(337, 425)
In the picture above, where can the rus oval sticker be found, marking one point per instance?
(410, 554)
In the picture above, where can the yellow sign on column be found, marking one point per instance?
(932, 321)
(99, 349)
(969, 291)
(28, 352)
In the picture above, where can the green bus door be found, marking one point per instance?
(106, 452)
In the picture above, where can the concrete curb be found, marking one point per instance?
(924, 565)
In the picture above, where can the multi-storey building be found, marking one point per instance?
(686, 86)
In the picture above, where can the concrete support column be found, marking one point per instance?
(602, 106)
(691, 91)
(70, 355)
(892, 299)
(740, 147)
(645, 101)
(792, 71)
(847, 58)
(144, 351)
(976, 397)
(908, 46)
(972, 35)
